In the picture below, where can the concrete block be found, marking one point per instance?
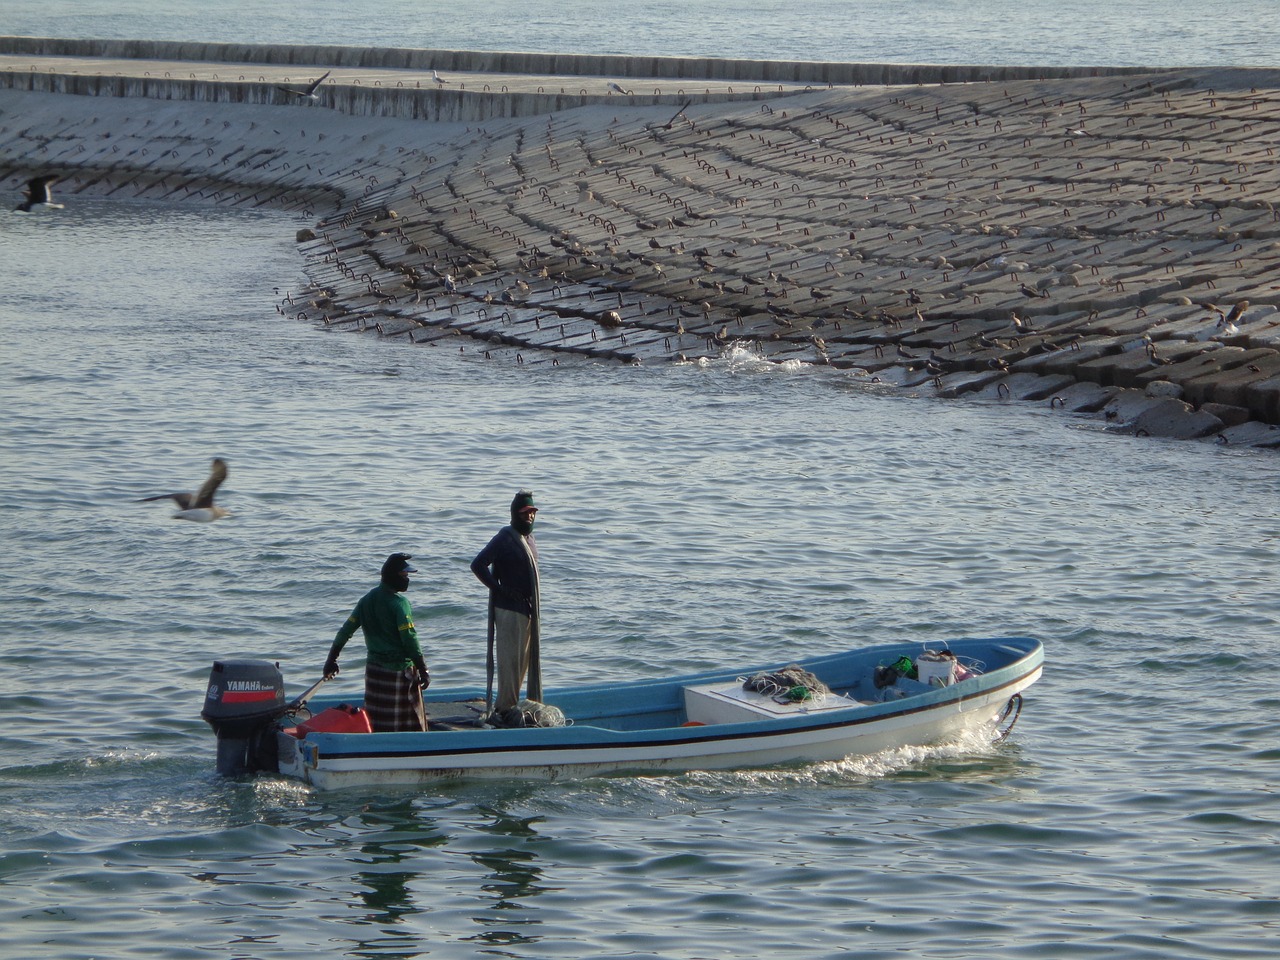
(1175, 420)
(1230, 416)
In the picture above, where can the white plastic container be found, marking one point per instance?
(935, 669)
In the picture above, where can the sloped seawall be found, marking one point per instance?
(1105, 244)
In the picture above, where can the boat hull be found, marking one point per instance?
(643, 727)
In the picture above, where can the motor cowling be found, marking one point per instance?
(243, 700)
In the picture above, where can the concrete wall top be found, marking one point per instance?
(546, 64)
(404, 103)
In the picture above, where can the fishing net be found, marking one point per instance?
(791, 684)
(529, 713)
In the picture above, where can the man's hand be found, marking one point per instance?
(423, 674)
(331, 668)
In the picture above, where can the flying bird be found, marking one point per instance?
(198, 506)
(309, 91)
(38, 194)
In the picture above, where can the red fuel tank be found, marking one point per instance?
(343, 718)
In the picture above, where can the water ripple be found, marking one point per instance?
(691, 517)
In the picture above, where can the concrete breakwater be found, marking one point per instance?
(1104, 245)
(535, 65)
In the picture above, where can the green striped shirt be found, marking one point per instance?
(389, 635)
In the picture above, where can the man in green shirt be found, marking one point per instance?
(395, 672)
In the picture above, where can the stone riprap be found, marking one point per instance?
(1101, 242)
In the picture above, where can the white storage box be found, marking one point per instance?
(729, 703)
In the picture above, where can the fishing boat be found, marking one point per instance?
(855, 703)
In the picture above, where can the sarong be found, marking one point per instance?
(392, 701)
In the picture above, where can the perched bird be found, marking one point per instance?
(936, 364)
(1236, 313)
(999, 261)
(38, 194)
(198, 506)
(1027, 291)
(615, 88)
(987, 341)
(309, 91)
(439, 80)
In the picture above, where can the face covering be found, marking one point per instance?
(522, 523)
(399, 582)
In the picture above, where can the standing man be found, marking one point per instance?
(395, 672)
(508, 566)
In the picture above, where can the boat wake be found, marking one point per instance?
(972, 755)
(973, 750)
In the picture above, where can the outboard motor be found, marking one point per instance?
(244, 699)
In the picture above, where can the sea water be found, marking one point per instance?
(692, 516)
(1040, 32)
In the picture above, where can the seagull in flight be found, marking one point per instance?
(615, 88)
(309, 91)
(198, 506)
(440, 81)
(38, 194)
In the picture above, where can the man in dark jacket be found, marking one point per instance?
(508, 566)
(395, 672)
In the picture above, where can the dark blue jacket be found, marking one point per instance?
(505, 568)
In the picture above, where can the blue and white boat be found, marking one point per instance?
(865, 701)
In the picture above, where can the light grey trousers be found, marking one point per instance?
(512, 643)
